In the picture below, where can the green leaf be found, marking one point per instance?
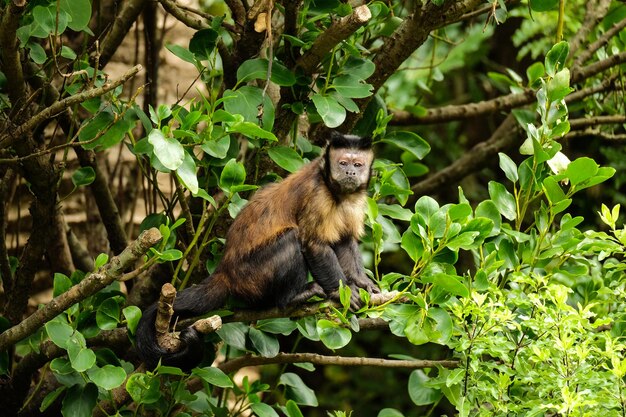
(439, 326)
(553, 190)
(462, 241)
(168, 150)
(252, 131)
(234, 334)
(217, 148)
(581, 169)
(79, 12)
(535, 72)
(203, 43)
(359, 67)
(297, 390)
(37, 53)
(488, 209)
(389, 412)
(556, 57)
(263, 410)
(332, 113)
(504, 201)
(351, 86)
(267, 345)
(132, 314)
(408, 141)
(187, 173)
(170, 255)
(543, 5)
(254, 69)
(449, 283)
(558, 87)
(281, 325)
(508, 166)
(81, 358)
(412, 245)
(232, 175)
(51, 398)
(182, 53)
(143, 388)
(59, 332)
(213, 376)
(286, 158)
(332, 334)
(292, 409)
(108, 377)
(61, 284)
(108, 314)
(249, 102)
(101, 260)
(426, 206)
(395, 211)
(83, 176)
(419, 391)
(79, 401)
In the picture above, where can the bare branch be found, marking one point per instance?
(332, 36)
(10, 138)
(11, 65)
(87, 287)
(121, 26)
(317, 359)
(588, 52)
(582, 123)
(596, 11)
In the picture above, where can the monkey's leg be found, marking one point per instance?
(327, 271)
(313, 289)
(349, 258)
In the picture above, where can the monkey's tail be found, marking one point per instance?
(194, 301)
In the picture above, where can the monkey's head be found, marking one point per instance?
(347, 163)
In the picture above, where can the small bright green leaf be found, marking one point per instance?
(168, 150)
(233, 174)
(252, 130)
(81, 357)
(556, 57)
(62, 283)
(292, 409)
(504, 201)
(132, 314)
(412, 245)
(254, 69)
(187, 173)
(217, 148)
(332, 334)
(508, 166)
(79, 12)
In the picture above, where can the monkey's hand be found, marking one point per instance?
(355, 299)
(362, 281)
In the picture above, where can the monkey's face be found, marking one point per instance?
(350, 168)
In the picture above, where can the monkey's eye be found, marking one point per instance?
(343, 163)
(358, 165)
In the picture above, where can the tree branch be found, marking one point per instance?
(596, 11)
(121, 26)
(317, 359)
(10, 138)
(504, 137)
(87, 287)
(9, 52)
(588, 52)
(332, 36)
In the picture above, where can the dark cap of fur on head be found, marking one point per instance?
(339, 140)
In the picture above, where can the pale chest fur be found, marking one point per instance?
(331, 222)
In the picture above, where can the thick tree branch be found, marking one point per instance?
(8, 139)
(317, 359)
(584, 122)
(9, 52)
(87, 287)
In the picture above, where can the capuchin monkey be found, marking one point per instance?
(309, 222)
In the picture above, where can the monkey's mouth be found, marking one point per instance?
(349, 185)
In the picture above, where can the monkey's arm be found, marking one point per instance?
(327, 272)
(349, 258)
